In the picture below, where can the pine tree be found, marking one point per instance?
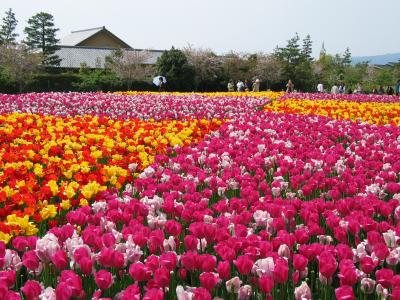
(347, 57)
(7, 29)
(307, 48)
(42, 35)
(174, 65)
(296, 62)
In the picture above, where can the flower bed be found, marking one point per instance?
(380, 113)
(139, 105)
(264, 94)
(268, 206)
(342, 97)
(52, 163)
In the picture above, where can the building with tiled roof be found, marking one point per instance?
(91, 47)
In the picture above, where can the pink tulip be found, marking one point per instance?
(266, 284)
(327, 264)
(162, 277)
(30, 260)
(31, 290)
(224, 269)
(103, 279)
(139, 272)
(244, 264)
(299, 262)
(344, 293)
(60, 259)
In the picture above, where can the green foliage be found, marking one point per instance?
(355, 75)
(18, 65)
(296, 62)
(41, 34)
(174, 65)
(384, 77)
(236, 66)
(347, 57)
(7, 30)
(96, 80)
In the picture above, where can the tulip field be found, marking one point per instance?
(199, 196)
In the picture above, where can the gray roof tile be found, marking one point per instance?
(79, 36)
(73, 57)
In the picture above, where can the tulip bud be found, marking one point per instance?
(367, 285)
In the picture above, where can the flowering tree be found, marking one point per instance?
(267, 68)
(18, 64)
(130, 65)
(207, 66)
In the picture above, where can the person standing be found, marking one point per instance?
(289, 86)
(389, 91)
(231, 86)
(320, 88)
(381, 91)
(247, 86)
(256, 85)
(398, 88)
(358, 90)
(342, 88)
(334, 89)
(240, 86)
(161, 85)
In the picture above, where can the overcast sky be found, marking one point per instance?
(368, 27)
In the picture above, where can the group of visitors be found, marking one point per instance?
(245, 86)
(338, 89)
(341, 89)
(390, 91)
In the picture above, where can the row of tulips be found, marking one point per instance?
(343, 97)
(269, 206)
(50, 164)
(380, 113)
(159, 106)
(264, 94)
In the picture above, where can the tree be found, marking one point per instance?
(296, 63)
(356, 74)
(268, 69)
(383, 77)
(174, 65)
(130, 65)
(96, 80)
(347, 57)
(18, 64)
(236, 66)
(307, 48)
(207, 67)
(7, 30)
(41, 34)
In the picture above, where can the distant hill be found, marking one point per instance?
(377, 59)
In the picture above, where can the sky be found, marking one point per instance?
(368, 27)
